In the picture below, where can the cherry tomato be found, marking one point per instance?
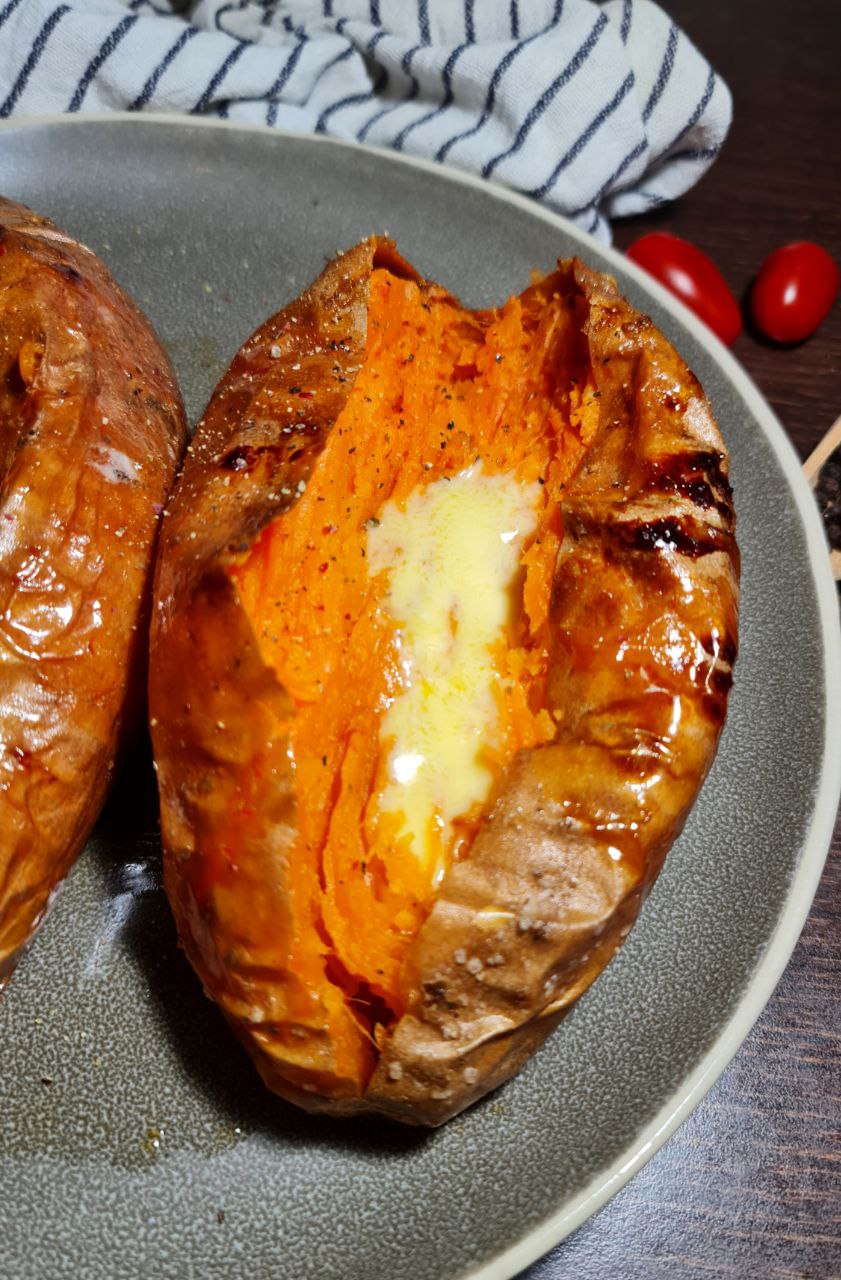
(793, 291)
(691, 276)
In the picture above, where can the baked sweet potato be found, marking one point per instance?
(92, 431)
(446, 612)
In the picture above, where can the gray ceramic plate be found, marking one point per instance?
(135, 1140)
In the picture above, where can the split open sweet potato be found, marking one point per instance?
(446, 612)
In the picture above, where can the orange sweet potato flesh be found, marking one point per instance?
(481, 388)
(92, 432)
(357, 979)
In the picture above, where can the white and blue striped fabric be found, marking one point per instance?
(595, 109)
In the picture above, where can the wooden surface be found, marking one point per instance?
(750, 1186)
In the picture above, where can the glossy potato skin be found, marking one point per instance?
(644, 610)
(92, 432)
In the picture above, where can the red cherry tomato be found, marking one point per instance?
(793, 291)
(691, 276)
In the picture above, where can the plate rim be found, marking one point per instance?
(797, 901)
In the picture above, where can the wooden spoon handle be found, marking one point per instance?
(823, 471)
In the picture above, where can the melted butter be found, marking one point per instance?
(452, 555)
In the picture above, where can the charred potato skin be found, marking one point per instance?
(93, 428)
(645, 603)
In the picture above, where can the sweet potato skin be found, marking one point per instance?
(93, 429)
(644, 612)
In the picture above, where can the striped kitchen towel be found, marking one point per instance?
(596, 110)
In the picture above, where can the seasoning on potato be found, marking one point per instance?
(93, 428)
(446, 615)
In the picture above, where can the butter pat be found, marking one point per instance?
(452, 555)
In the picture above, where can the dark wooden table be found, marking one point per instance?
(750, 1186)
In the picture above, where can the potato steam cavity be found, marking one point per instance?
(451, 557)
